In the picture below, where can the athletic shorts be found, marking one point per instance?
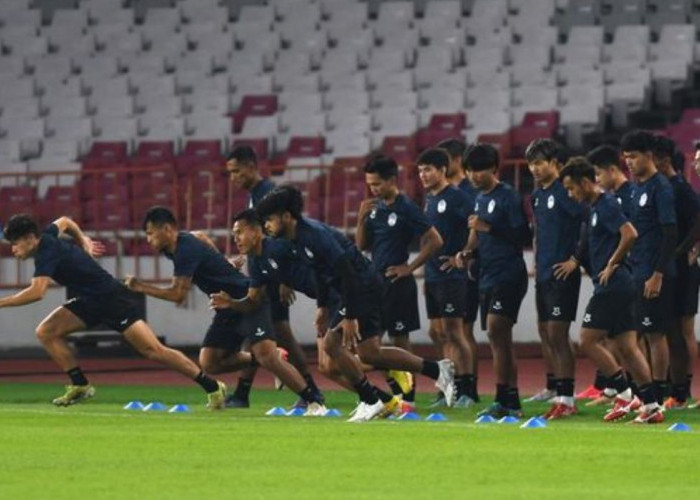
(687, 284)
(471, 306)
(446, 299)
(399, 306)
(230, 329)
(368, 314)
(118, 310)
(278, 310)
(503, 299)
(656, 315)
(614, 312)
(557, 300)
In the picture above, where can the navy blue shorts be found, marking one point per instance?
(118, 310)
(230, 329)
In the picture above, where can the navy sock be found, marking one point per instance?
(619, 382)
(501, 391)
(565, 387)
(601, 381)
(513, 399)
(430, 369)
(551, 382)
(662, 388)
(410, 396)
(77, 377)
(242, 391)
(310, 395)
(647, 393)
(461, 385)
(311, 382)
(206, 382)
(367, 392)
(394, 386)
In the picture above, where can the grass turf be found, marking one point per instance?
(99, 450)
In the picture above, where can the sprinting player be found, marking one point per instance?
(682, 343)
(447, 208)
(100, 299)
(652, 258)
(558, 220)
(197, 262)
(356, 325)
(386, 226)
(242, 166)
(499, 229)
(611, 310)
(457, 176)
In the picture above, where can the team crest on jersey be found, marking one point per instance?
(273, 263)
(492, 206)
(309, 253)
(373, 213)
(594, 219)
(442, 206)
(550, 202)
(476, 206)
(537, 202)
(392, 219)
(643, 200)
(619, 201)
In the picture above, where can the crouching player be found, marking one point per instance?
(100, 299)
(612, 309)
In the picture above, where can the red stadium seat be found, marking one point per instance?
(154, 153)
(441, 127)
(106, 154)
(107, 215)
(58, 201)
(305, 147)
(200, 155)
(15, 200)
(254, 105)
(400, 148)
(536, 125)
(500, 141)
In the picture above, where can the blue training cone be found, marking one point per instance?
(276, 411)
(154, 406)
(332, 412)
(485, 419)
(296, 412)
(436, 417)
(534, 423)
(509, 420)
(409, 416)
(179, 408)
(134, 405)
(679, 427)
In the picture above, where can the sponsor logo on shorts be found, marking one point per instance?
(259, 332)
(556, 311)
(587, 318)
(399, 326)
(647, 321)
(497, 306)
(449, 308)
(124, 321)
(342, 312)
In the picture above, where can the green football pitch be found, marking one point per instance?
(99, 450)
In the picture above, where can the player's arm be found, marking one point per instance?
(176, 292)
(248, 304)
(362, 239)
(430, 242)
(562, 270)
(33, 293)
(70, 227)
(204, 238)
(628, 235)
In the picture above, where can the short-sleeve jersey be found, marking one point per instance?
(259, 191)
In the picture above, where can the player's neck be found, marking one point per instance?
(439, 186)
(456, 178)
(651, 172)
(548, 183)
(619, 182)
(256, 180)
(290, 231)
(594, 196)
(391, 197)
(171, 246)
(491, 186)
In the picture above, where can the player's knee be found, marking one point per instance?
(331, 345)
(43, 333)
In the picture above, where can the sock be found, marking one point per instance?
(689, 383)
(632, 383)
(311, 382)
(647, 393)
(470, 386)
(77, 377)
(430, 369)
(243, 389)
(410, 396)
(679, 392)
(601, 381)
(475, 389)
(513, 398)
(367, 392)
(661, 390)
(501, 390)
(206, 382)
(619, 382)
(253, 361)
(394, 386)
(384, 397)
(551, 382)
(309, 395)
(566, 387)
(461, 385)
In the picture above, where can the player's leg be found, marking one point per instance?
(216, 360)
(500, 332)
(549, 391)
(564, 360)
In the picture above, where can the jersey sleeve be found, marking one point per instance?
(612, 217)
(417, 219)
(665, 204)
(515, 211)
(48, 256)
(257, 277)
(569, 205)
(324, 245)
(187, 257)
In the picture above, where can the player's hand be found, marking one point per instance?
(607, 272)
(478, 224)
(94, 248)
(287, 295)
(562, 270)
(351, 334)
(366, 206)
(652, 286)
(322, 321)
(449, 262)
(398, 272)
(131, 283)
(220, 300)
(238, 261)
(472, 269)
(693, 255)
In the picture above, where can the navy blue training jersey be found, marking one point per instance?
(624, 196)
(209, 269)
(448, 211)
(687, 205)
(71, 266)
(468, 188)
(652, 207)
(603, 228)
(558, 219)
(500, 261)
(390, 230)
(259, 191)
(280, 263)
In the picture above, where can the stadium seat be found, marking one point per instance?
(535, 125)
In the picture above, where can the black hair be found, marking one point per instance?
(605, 156)
(663, 147)
(243, 154)
(383, 166)
(436, 157)
(578, 168)
(249, 216)
(19, 226)
(638, 140)
(454, 147)
(285, 198)
(159, 216)
(480, 156)
(678, 162)
(544, 149)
